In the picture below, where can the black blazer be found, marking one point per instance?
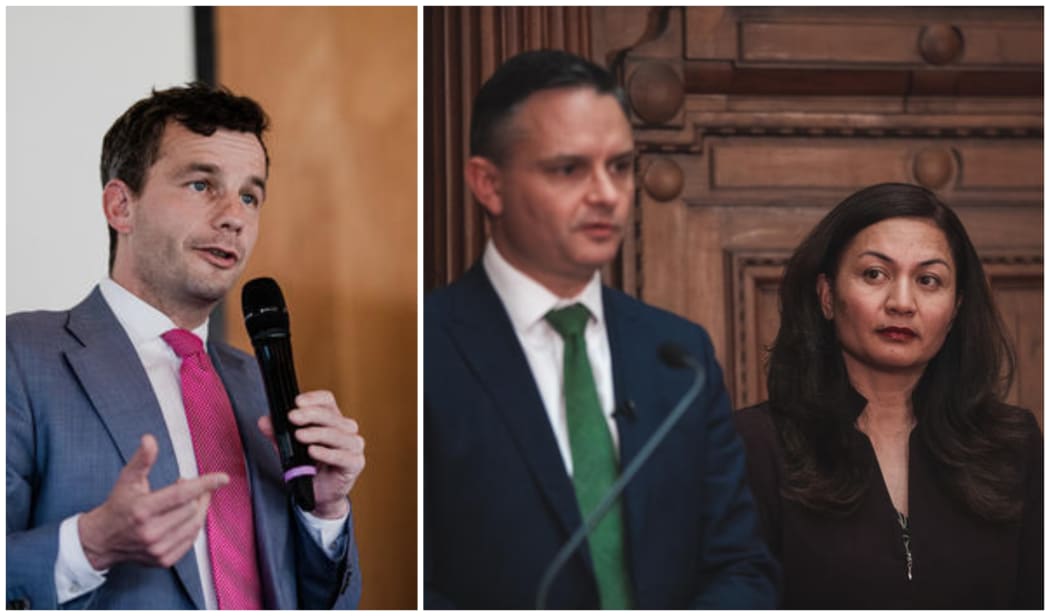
(498, 503)
(858, 561)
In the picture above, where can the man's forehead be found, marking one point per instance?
(183, 151)
(224, 143)
(564, 101)
(562, 117)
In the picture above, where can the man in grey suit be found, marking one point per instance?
(123, 491)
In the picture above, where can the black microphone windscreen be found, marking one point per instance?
(263, 307)
(673, 355)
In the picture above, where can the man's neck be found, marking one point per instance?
(565, 286)
(183, 316)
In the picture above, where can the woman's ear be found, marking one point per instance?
(826, 297)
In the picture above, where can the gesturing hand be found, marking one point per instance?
(333, 442)
(150, 527)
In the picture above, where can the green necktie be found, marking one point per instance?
(594, 463)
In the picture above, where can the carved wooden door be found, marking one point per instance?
(753, 122)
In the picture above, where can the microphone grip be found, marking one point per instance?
(274, 354)
(303, 492)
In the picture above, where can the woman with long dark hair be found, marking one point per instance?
(888, 471)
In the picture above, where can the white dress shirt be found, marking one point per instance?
(144, 325)
(527, 302)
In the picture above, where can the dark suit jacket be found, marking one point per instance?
(498, 502)
(78, 403)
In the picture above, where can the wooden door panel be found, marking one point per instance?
(755, 121)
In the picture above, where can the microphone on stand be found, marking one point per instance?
(266, 319)
(675, 357)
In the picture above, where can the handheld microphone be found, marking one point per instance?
(266, 319)
(675, 357)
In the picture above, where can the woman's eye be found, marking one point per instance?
(929, 281)
(199, 186)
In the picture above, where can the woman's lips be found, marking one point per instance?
(899, 334)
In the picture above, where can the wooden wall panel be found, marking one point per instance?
(1017, 165)
(338, 232)
(464, 45)
(769, 116)
(745, 143)
(831, 163)
(881, 43)
(869, 35)
(1017, 282)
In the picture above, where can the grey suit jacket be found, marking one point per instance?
(78, 403)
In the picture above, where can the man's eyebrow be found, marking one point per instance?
(562, 157)
(567, 157)
(214, 170)
(258, 181)
(927, 262)
(199, 167)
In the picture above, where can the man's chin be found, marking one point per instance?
(212, 291)
(598, 258)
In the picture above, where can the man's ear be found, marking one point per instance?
(827, 299)
(484, 179)
(117, 201)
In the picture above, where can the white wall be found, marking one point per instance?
(71, 71)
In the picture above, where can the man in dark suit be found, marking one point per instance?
(540, 384)
(141, 471)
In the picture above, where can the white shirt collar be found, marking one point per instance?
(142, 322)
(526, 300)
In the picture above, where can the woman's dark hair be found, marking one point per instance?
(132, 144)
(973, 437)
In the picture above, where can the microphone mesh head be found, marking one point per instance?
(263, 307)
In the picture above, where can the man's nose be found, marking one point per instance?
(604, 189)
(230, 216)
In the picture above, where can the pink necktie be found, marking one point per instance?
(217, 446)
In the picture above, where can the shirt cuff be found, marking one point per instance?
(74, 575)
(329, 535)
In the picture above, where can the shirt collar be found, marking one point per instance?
(142, 322)
(526, 300)
(855, 402)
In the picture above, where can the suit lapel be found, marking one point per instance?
(111, 374)
(269, 501)
(625, 344)
(485, 337)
